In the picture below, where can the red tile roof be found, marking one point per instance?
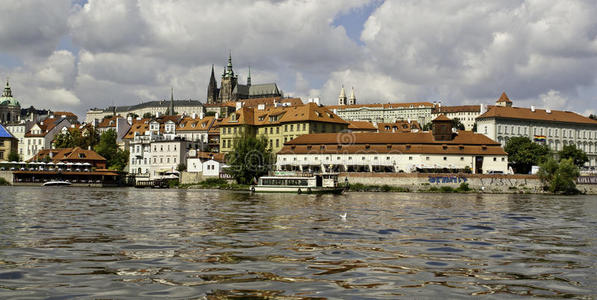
(68, 154)
(538, 114)
(504, 98)
(278, 115)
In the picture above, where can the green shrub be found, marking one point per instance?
(463, 187)
(386, 188)
(446, 189)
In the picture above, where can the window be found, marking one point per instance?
(277, 129)
(461, 158)
(304, 126)
(271, 130)
(445, 158)
(495, 159)
(410, 158)
(427, 158)
(277, 143)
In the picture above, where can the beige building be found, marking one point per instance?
(278, 124)
(467, 114)
(385, 113)
(441, 150)
(41, 135)
(554, 128)
(155, 108)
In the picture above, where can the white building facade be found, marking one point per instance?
(388, 113)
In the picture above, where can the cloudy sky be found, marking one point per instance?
(75, 55)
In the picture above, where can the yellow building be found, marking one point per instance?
(8, 144)
(278, 124)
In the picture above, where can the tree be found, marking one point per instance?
(523, 154)
(592, 116)
(132, 115)
(559, 177)
(147, 115)
(76, 138)
(181, 167)
(249, 159)
(457, 124)
(578, 156)
(14, 156)
(117, 158)
(427, 126)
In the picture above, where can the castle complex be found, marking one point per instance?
(231, 90)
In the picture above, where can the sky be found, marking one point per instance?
(76, 55)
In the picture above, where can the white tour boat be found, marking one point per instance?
(57, 183)
(301, 183)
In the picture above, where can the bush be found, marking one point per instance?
(446, 189)
(213, 182)
(559, 177)
(463, 187)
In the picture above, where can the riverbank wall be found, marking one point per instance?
(419, 182)
(490, 183)
(7, 175)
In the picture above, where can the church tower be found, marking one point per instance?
(170, 111)
(342, 97)
(352, 100)
(212, 88)
(229, 82)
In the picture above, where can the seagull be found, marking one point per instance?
(343, 217)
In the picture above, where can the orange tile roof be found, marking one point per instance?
(361, 125)
(221, 157)
(384, 105)
(68, 154)
(105, 123)
(442, 117)
(195, 124)
(45, 126)
(538, 114)
(465, 142)
(504, 98)
(215, 127)
(457, 108)
(398, 126)
(305, 112)
(138, 126)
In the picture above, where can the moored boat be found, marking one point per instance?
(300, 183)
(57, 183)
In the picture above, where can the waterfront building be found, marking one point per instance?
(278, 124)
(385, 113)
(441, 150)
(231, 90)
(41, 135)
(8, 143)
(207, 163)
(18, 130)
(72, 158)
(10, 108)
(554, 128)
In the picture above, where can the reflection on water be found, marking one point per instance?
(121, 243)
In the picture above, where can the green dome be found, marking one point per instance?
(7, 99)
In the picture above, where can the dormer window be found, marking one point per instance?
(367, 146)
(445, 147)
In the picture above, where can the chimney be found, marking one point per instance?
(217, 116)
(194, 116)
(201, 115)
(239, 104)
(532, 108)
(548, 111)
(441, 128)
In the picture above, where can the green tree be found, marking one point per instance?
(249, 159)
(523, 154)
(181, 167)
(14, 156)
(592, 116)
(132, 115)
(559, 177)
(427, 126)
(578, 156)
(76, 138)
(117, 158)
(147, 115)
(457, 124)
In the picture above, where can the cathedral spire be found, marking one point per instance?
(229, 71)
(171, 107)
(249, 77)
(212, 88)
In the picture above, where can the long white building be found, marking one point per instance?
(441, 150)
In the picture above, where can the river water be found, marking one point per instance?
(63, 243)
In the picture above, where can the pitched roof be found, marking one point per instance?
(220, 157)
(383, 106)
(504, 98)
(195, 124)
(282, 114)
(538, 114)
(457, 108)
(361, 125)
(139, 127)
(65, 113)
(465, 142)
(158, 103)
(442, 117)
(67, 154)
(398, 126)
(108, 122)
(45, 126)
(4, 133)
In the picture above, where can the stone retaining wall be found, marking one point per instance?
(7, 175)
(497, 183)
